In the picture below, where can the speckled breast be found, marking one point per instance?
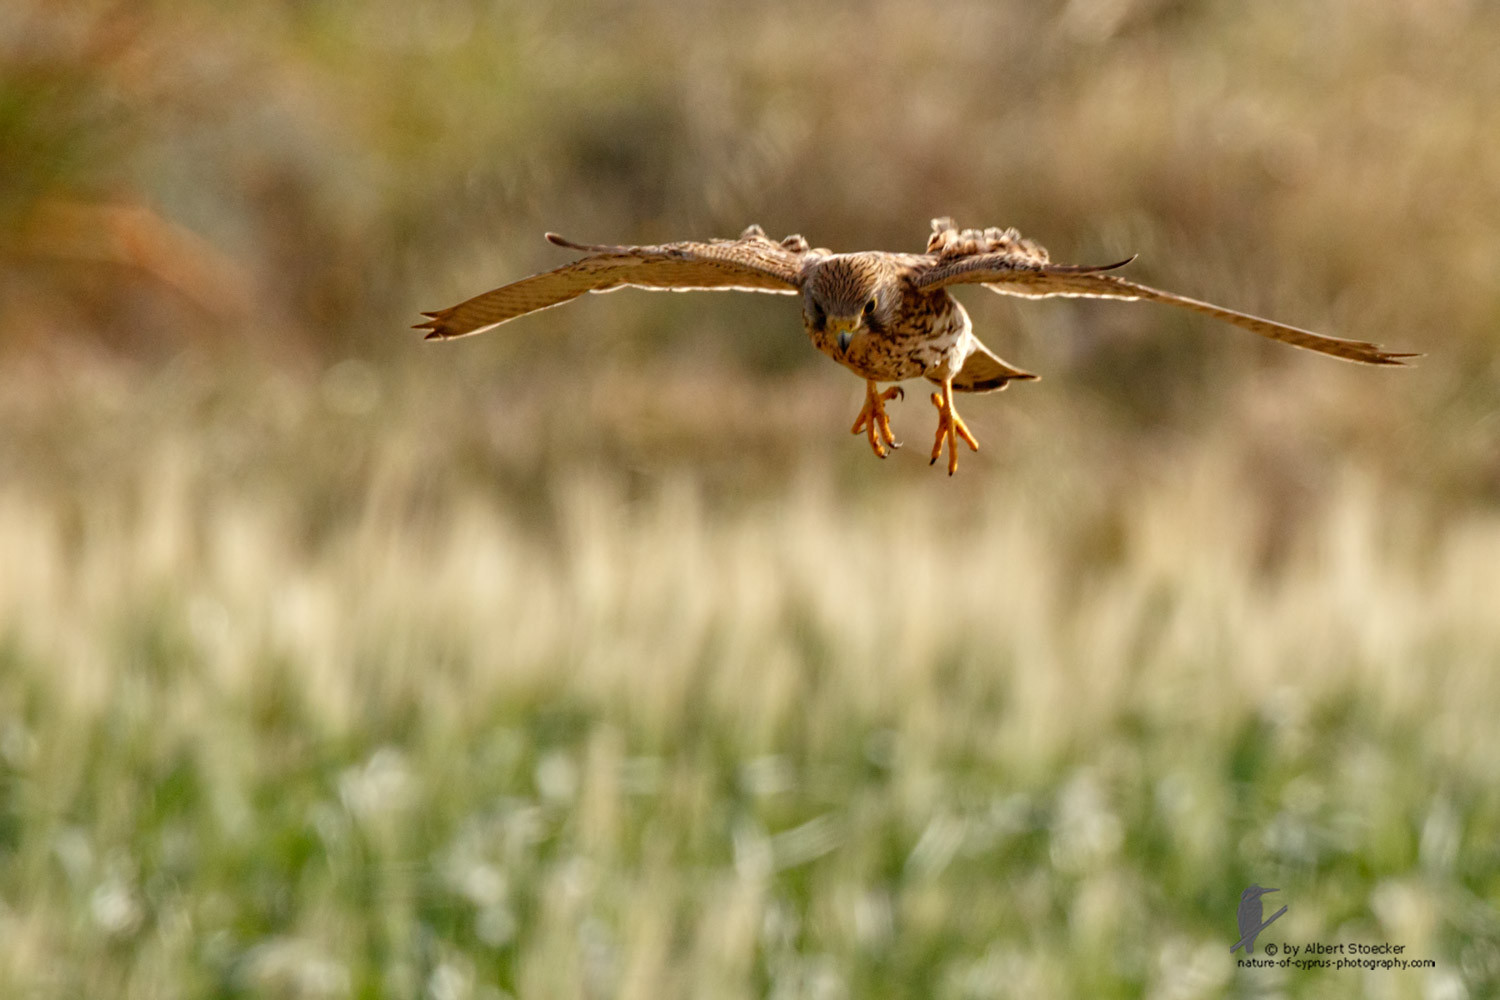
(929, 339)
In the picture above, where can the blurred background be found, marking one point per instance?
(592, 656)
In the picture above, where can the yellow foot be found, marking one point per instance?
(950, 429)
(873, 421)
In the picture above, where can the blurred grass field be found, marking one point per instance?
(593, 657)
(327, 729)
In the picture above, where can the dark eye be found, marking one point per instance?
(869, 307)
(818, 315)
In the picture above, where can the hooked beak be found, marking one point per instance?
(845, 330)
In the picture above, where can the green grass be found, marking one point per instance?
(328, 711)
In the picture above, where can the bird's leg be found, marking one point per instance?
(950, 428)
(873, 420)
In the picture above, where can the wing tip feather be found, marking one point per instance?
(1394, 359)
(436, 325)
(563, 241)
(1089, 268)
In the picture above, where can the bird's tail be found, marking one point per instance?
(984, 372)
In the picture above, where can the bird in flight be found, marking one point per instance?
(887, 317)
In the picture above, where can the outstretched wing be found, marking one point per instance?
(1012, 266)
(752, 263)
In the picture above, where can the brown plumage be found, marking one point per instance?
(885, 316)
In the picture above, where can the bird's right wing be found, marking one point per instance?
(1005, 262)
(752, 263)
(1054, 281)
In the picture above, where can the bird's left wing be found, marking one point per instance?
(752, 263)
(1005, 263)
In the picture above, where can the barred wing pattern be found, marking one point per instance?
(752, 263)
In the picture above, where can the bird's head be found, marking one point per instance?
(1255, 892)
(848, 296)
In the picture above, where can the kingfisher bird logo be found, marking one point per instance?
(1248, 917)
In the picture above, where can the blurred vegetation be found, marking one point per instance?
(288, 183)
(592, 657)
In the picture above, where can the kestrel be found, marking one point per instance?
(887, 317)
